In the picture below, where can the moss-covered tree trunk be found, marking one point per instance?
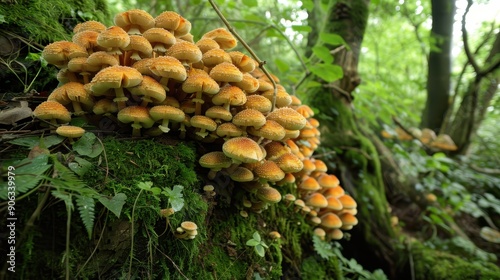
(358, 163)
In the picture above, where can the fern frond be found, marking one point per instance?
(86, 207)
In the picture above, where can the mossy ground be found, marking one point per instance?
(218, 252)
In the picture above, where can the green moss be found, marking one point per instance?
(315, 268)
(433, 264)
(47, 21)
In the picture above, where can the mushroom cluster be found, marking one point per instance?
(150, 73)
(427, 136)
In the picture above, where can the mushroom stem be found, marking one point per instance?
(77, 108)
(164, 126)
(164, 82)
(202, 133)
(120, 98)
(136, 129)
(198, 100)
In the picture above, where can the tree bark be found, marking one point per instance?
(439, 65)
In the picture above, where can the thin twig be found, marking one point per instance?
(252, 53)
(173, 263)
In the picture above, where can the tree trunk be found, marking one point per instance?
(473, 107)
(439, 65)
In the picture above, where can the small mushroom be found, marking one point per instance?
(138, 116)
(71, 132)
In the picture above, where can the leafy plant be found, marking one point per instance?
(258, 244)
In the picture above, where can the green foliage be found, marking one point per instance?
(259, 245)
(323, 248)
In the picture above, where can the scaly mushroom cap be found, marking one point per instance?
(173, 22)
(275, 149)
(159, 38)
(114, 38)
(52, 110)
(189, 226)
(200, 83)
(70, 131)
(242, 61)
(77, 94)
(105, 106)
(270, 130)
(61, 52)
(283, 99)
(215, 160)
(249, 117)
(151, 90)
(215, 56)
(309, 184)
(185, 51)
(203, 123)
(320, 165)
(331, 221)
(228, 130)
(289, 163)
(259, 103)
(89, 25)
(288, 118)
(80, 65)
(268, 195)
(206, 44)
(249, 84)
(243, 149)
(269, 171)
(264, 85)
(102, 60)
(305, 111)
(241, 174)
(335, 192)
(115, 77)
(134, 21)
(295, 101)
(226, 72)
(168, 67)
(218, 113)
(229, 96)
(166, 114)
(223, 37)
(140, 47)
(86, 39)
(136, 114)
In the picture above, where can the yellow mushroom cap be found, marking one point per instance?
(219, 113)
(140, 47)
(319, 232)
(185, 51)
(102, 59)
(288, 118)
(275, 235)
(228, 130)
(104, 106)
(215, 160)
(61, 52)
(169, 67)
(335, 234)
(270, 130)
(113, 38)
(70, 131)
(223, 37)
(229, 96)
(283, 99)
(316, 200)
(115, 77)
(52, 110)
(275, 149)
(335, 192)
(206, 44)
(226, 72)
(134, 21)
(89, 25)
(160, 38)
(289, 163)
(309, 184)
(427, 136)
(269, 171)
(204, 123)
(268, 194)
(334, 203)
(137, 115)
(243, 149)
(160, 112)
(242, 61)
(444, 142)
(348, 219)
(331, 221)
(347, 201)
(189, 226)
(249, 117)
(259, 103)
(241, 174)
(215, 56)
(328, 181)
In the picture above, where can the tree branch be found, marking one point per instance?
(465, 39)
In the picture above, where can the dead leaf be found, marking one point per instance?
(13, 115)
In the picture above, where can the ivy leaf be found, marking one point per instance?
(28, 175)
(323, 248)
(252, 242)
(80, 166)
(327, 72)
(323, 53)
(256, 236)
(86, 206)
(260, 250)
(175, 197)
(88, 145)
(115, 204)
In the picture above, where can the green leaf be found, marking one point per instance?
(27, 176)
(252, 242)
(308, 4)
(302, 28)
(323, 53)
(282, 65)
(66, 197)
(88, 145)
(145, 185)
(327, 72)
(175, 197)
(260, 250)
(332, 39)
(115, 204)
(256, 236)
(80, 166)
(250, 3)
(86, 207)
(2, 19)
(32, 141)
(323, 248)
(155, 190)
